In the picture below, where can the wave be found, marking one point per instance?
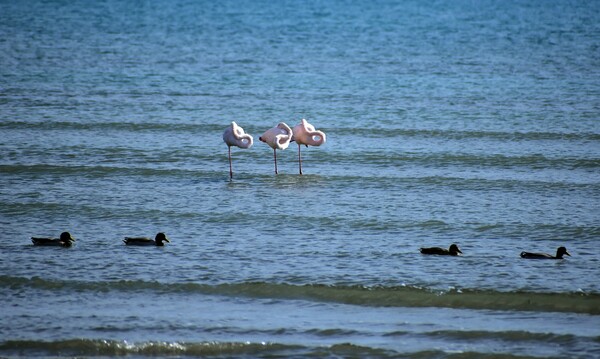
(508, 336)
(98, 347)
(436, 160)
(378, 296)
(114, 126)
(345, 131)
(466, 134)
(177, 170)
(113, 161)
(113, 348)
(101, 171)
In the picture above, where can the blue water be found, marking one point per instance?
(474, 123)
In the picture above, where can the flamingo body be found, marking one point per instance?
(305, 134)
(278, 137)
(234, 135)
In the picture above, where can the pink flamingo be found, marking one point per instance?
(278, 138)
(305, 134)
(234, 136)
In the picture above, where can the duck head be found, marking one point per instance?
(160, 238)
(454, 249)
(65, 239)
(561, 251)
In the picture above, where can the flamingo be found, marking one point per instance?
(305, 134)
(234, 136)
(278, 138)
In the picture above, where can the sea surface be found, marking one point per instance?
(467, 122)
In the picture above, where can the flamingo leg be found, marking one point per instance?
(275, 158)
(299, 160)
(230, 166)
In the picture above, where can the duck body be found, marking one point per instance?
(452, 251)
(65, 240)
(560, 252)
(145, 241)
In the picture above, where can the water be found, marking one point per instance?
(474, 123)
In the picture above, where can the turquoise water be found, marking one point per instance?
(474, 123)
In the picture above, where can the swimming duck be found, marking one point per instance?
(559, 254)
(65, 240)
(453, 251)
(145, 241)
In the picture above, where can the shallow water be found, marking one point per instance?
(473, 123)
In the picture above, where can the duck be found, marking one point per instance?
(145, 241)
(65, 240)
(559, 254)
(452, 251)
